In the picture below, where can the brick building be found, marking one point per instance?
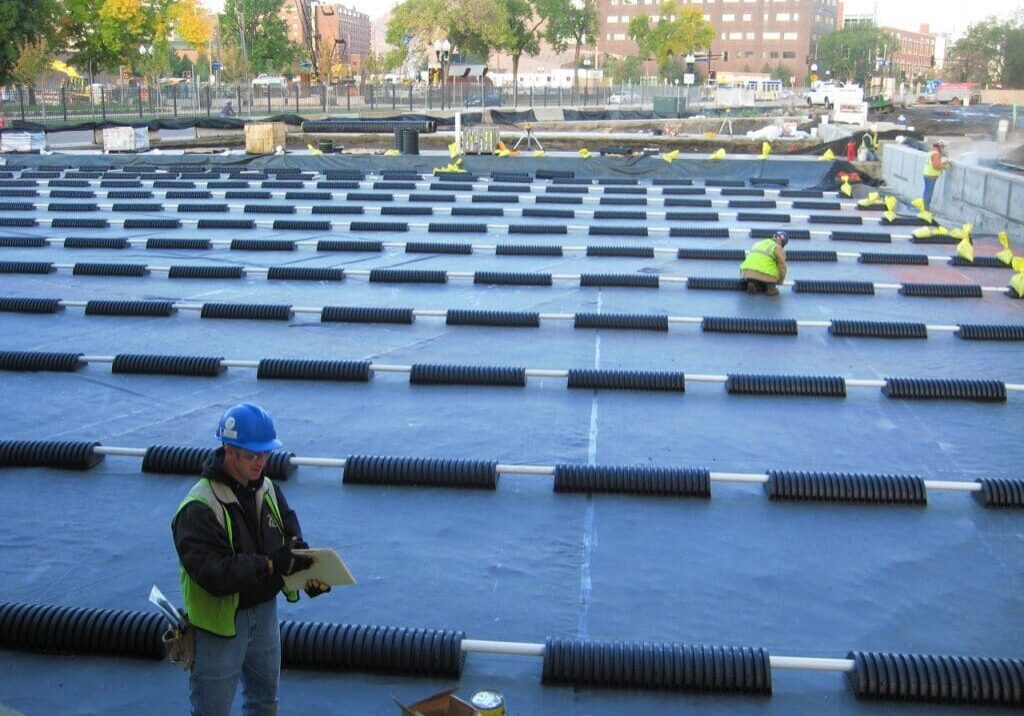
(748, 33)
(346, 29)
(914, 54)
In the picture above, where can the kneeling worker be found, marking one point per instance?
(765, 265)
(234, 534)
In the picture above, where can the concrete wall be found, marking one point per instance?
(992, 200)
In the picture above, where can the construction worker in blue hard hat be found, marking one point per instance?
(765, 265)
(235, 535)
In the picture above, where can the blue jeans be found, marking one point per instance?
(929, 187)
(254, 653)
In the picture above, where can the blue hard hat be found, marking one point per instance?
(782, 235)
(249, 427)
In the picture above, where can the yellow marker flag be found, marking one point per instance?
(453, 150)
(828, 155)
(392, 153)
(1004, 240)
(890, 203)
(1006, 256)
(846, 189)
(925, 216)
(1017, 263)
(766, 149)
(670, 156)
(923, 233)
(964, 232)
(872, 197)
(719, 154)
(965, 249)
(584, 152)
(918, 204)
(1017, 284)
(890, 215)
(538, 152)
(313, 151)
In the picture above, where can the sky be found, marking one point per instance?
(943, 16)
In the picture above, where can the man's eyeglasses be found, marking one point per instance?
(248, 456)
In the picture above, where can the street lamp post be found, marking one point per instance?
(144, 52)
(442, 50)
(586, 79)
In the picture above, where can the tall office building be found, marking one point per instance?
(749, 34)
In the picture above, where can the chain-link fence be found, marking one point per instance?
(69, 104)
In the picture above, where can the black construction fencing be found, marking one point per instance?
(57, 104)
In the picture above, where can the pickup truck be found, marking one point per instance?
(827, 94)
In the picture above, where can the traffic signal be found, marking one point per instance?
(712, 75)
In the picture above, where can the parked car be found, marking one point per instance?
(268, 81)
(490, 99)
(625, 98)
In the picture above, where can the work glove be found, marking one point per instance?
(314, 588)
(287, 563)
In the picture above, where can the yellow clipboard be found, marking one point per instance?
(327, 568)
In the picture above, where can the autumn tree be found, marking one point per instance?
(191, 23)
(33, 58)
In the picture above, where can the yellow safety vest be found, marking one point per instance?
(929, 170)
(762, 258)
(205, 610)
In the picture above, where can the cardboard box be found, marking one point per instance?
(445, 703)
(265, 137)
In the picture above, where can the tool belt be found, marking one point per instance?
(180, 645)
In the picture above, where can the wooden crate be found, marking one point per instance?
(265, 137)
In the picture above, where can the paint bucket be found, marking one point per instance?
(1002, 129)
(488, 703)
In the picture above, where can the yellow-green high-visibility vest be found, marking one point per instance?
(762, 258)
(929, 170)
(205, 610)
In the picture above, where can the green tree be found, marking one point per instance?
(473, 27)
(520, 36)
(990, 53)
(780, 72)
(103, 34)
(257, 30)
(623, 69)
(569, 22)
(33, 58)
(23, 21)
(850, 53)
(678, 31)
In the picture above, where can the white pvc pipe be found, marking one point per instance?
(741, 477)
(385, 368)
(685, 319)
(811, 664)
(96, 359)
(318, 461)
(814, 324)
(862, 383)
(942, 328)
(429, 312)
(953, 485)
(709, 378)
(123, 451)
(1015, 387)
(502, 647)
(525, 469)
(544, 373)
(240, 363)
